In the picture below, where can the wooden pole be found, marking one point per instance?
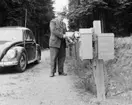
(25, 17)
(98, 71)
(75, 49)
(98, 67)
(100, 80)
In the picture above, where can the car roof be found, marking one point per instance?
(14, 27)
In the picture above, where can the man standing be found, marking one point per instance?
(57, 44)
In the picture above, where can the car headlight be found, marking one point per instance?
(10, 55)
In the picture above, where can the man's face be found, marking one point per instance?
(61, 17)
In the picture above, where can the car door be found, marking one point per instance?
(30, 45)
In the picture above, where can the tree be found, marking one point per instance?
(39, 14)
(115, 15)
(123, 16)
(87, 10)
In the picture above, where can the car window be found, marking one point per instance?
(10, 34)
(29, 36)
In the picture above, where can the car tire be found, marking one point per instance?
(22, 62)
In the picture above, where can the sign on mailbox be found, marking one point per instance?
(106, 46)
(86, 50)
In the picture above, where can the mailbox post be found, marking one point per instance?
(98, 64)
(103, 50)
(99, 47)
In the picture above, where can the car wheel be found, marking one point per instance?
(22, 63)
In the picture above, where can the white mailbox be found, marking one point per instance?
(86, 50)
(69, 34)
(105, 46)
(97, 26)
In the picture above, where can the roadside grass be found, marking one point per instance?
(118, 75)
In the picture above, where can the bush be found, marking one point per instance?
(118, 71)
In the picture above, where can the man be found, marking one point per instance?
(57, 44)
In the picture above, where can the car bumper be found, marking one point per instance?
(6, 64)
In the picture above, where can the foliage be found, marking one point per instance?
(118, 79)
(39, 13)
(123, 15)
(119, 69)
(115, 14)
(38, 9)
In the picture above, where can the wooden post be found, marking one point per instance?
(25, 17)
(75, 49)
(98, 66)
(100, 80)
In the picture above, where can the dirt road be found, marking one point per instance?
(35, 87)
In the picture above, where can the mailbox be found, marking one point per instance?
(85, 49)
(69, 34)
(105, 46)
(97, 26)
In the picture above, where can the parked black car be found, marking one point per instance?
(18, 48)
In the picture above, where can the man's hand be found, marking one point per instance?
(64, 36)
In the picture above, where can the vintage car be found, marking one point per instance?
(18, 48)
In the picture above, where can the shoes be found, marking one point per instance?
(64, 74)
(52, 75)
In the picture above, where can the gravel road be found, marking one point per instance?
(35, 87)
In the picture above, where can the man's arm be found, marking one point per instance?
(54, 31)
(65, 27)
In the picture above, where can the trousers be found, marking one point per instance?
(57, 58)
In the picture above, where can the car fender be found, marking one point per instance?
(4, 48)
(19, 50)
(38, 49)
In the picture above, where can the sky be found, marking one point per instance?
(59, 4)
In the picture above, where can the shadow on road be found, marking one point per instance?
(12, 70)
(7, 70)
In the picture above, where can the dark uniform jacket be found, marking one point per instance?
(57, 30)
